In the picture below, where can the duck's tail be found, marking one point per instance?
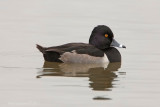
(40, 48)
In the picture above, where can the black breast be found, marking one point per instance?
(113, 54)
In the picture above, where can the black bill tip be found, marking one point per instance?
(123, 46)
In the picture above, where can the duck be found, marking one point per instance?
(100, 49)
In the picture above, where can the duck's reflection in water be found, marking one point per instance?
(101, 79)
(100, 76)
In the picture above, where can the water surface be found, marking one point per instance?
(27, 81)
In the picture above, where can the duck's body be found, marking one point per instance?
(97, 51)
(79, 53)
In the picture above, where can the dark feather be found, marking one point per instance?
(52, 54)
(113, 54)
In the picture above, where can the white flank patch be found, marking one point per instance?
(73, 57)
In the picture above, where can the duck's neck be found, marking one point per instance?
(113, 54)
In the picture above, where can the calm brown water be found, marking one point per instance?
(27, 81)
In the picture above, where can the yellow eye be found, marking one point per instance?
(106, 35)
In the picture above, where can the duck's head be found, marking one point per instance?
(102, 37)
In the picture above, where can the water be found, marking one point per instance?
(26, 80)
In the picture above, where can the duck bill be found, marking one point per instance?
(116, 44)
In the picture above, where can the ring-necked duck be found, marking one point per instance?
(99, 50)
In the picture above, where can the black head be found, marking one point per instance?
(101, 37)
